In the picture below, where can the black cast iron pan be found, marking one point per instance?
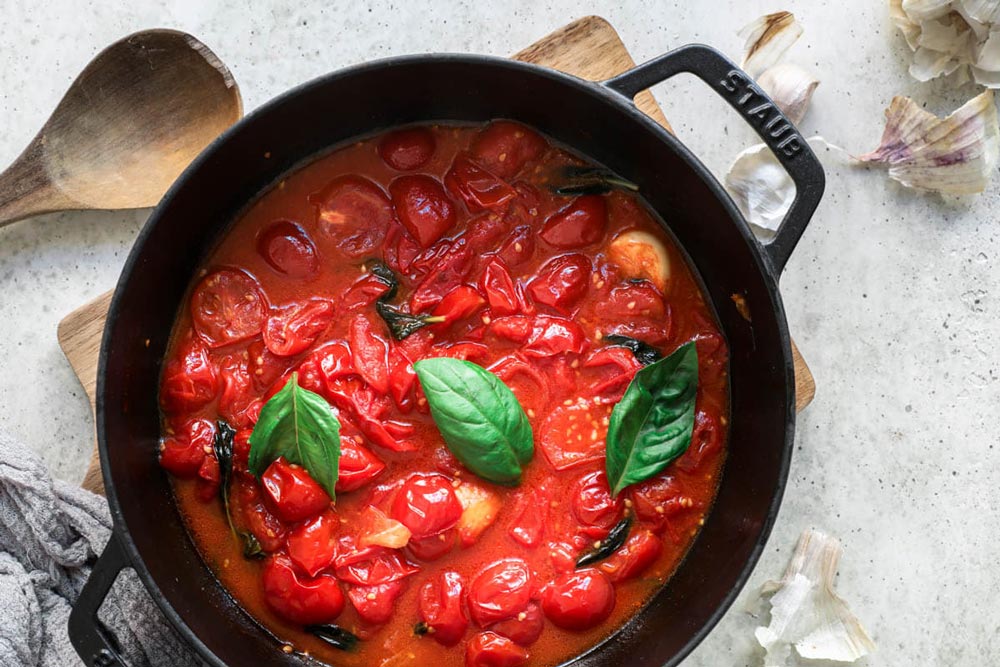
(598, 120)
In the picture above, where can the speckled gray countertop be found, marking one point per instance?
(889, 294)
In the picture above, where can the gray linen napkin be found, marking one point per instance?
(50, 535)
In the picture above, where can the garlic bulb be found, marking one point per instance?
(951, 36)
(954, 155)
(767, 39)
(806, 613)
(791, 88)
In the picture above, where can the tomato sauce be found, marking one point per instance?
(420, 559)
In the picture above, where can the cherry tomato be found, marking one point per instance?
(371, 566)
(423, 207)
(617, 365)
(264, 366)
(440, 605)
(580, 224)
(257, 518)
(529, 385)
(370, 354)
(333, 361)
(505, 147)
(519, 246)
(365, 291)
(517, 328)
(488, 649)
(375, 604)
(474, 352)
(574, 434)
(501, 591)
(478, 188)
(579, 600)
(706, 440)
(457, 305)
(593, 505)
(292, 492)
(295, 327)
(555, 335)
(358, 466)
(434, 546)
(407, 149)
(447, 274)
(241, 448)
(228, 306)
(658, 500)
(402, 378)
(209, 478)
(183, 452)
(287, 248)
(301, 600)
(237, 392)
(313, 545)
(633, 300)
(561, 281)
(189, 379)
(426, 504)
(639, 552)
(523, 629)
(532, 513)
(355, 213)
(499, 289)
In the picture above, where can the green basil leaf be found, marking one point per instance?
(652, 424)
(299, 425)
(479, 418)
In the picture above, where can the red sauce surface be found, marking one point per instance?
(529, 287)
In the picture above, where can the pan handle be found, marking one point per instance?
(95, 644)
(743, 94)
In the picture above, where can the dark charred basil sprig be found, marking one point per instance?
(646, 354)
(652, 424)
(223, 447)
(612, 543)
(334, 635)
(479, 418)
(573, 180)
(401, 324)
(299, 425)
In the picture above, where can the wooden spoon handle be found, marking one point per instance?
(26, 189)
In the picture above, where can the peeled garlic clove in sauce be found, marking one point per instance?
(807, 613)
(641, 255)
(953, 155)
(767, 39)
(791, 87)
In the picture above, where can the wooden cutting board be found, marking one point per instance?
(589, 48)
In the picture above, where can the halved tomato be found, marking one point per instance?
(355, 213)
(423, 207)
(294, 328)
(407, 149)
(190, 379)
(287, 248)
(561, 281)
(228, 306)
(574, 434)
(478, 188)
(580, 224)
(504, 147)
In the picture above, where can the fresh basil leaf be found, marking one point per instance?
(652, 424)
(645, 353)
(610, 544)
(223, 447)
(299, 425)
(479, 418)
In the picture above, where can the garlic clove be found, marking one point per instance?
(953, 155)
(984, 11)
(910, 30)
(806, 612)
(641, 255)
(926, 10)
(767, 40)
(791, 87)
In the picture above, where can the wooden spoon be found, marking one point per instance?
(130, 123)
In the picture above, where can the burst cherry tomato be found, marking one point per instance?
(501, 591)
(658, 500)
(427, 505)
(579, 600)
(593, 505)
(287, 248)
(580, 224)
(488, 649)
(313, 545)
(505, 147)
(370, 354)
(228, 306)
(555, 335)
(423, 207)
(294, 328)
(434, 546)
(639, 552)
(523, 629)
(569, 437)
(407, 149)
(292, 492)
(457, 305)
(182, 453)
(447, 273)
(499, 289)
(479, 188)
(440, 606)
(189, 379)
(358, 466)
(301, 600)
(519, 246)
(257, 518)
(706, 440)
(561, 281)
(375, 604)
(372, 566)
(238, 396)
(354, 213)
(264, 366)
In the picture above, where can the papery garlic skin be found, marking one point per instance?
(806, 612)
(767, 40)
(761, 188)
(951, 36)
(791, 87)
(954, 155)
